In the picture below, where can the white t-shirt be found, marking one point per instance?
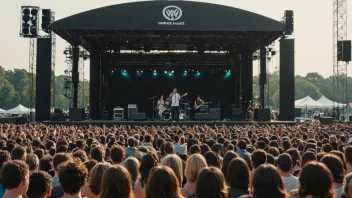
(338, 192)
(290, 182)
(175, 100)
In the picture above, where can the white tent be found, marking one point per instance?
(308, 103)
(2, 111)
(326, 103)
(20, 109)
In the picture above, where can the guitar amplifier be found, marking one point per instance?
(131, 108)
(204, 108)
(215, 113)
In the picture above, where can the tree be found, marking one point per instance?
(304, 88)
(9, 97)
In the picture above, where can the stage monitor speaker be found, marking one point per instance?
(298, 112)
(77, 114)
(215, 113)
(326, 120)
(138, 116)
(202, 116)
(57, 117)
(8, 120)
(22, 120)
(236, 114)
(262, 114)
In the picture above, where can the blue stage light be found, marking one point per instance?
(197, 75)
(227, 74)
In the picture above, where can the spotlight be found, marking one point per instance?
(137, 71)
(170, 74)
(172, 71)
(124, 70)
(185, 71)
(154, 71)
(165, 72)
(142, 71)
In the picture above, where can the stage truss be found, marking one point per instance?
(339, 67)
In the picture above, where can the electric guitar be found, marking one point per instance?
(197, 107)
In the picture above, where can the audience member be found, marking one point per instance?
(238, 178)
(15, 178)
(116, 182)
(284, 164)
(39, 185)
(162, 183)
(211, 184)
(72, 177)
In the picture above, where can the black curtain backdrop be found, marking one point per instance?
(134, 89)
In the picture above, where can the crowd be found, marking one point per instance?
(303, 161)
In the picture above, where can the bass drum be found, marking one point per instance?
(166, 115)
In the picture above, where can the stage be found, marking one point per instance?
(165, 45)
(110, 123)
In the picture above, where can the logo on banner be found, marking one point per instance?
(172, 14)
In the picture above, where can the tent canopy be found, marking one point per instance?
(20, 109)
(2, 111)
(307, 102)
(326, 103)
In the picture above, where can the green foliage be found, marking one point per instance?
(15, 84)
(14, 89)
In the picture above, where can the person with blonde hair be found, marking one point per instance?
(116, 182)
(33, 162)
(95, 179)
(194, 165)
(175, 163)
(132, 165)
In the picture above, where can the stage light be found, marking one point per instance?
(154, 71)
(124, 73)
(185, 71)
(172, 71)
(197, 75)
(137, 71)
(227, 74)
(142, 71)
(165, 72)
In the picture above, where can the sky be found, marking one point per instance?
(313, 30)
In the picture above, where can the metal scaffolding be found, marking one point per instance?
(339, 67)
(53, 59)
(32, 68)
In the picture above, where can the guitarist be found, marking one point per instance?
(175, 104)
(198, 103)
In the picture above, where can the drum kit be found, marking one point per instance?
(164, 111)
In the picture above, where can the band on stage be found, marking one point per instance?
(174, 108)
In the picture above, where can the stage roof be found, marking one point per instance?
(167, 22)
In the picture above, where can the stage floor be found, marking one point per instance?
(164, 123)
